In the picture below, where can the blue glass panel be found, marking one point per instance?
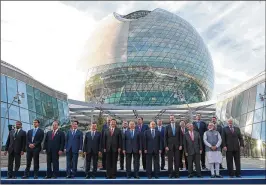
(11, 90)
(3, 110)
(258, 115)
(260, 90)
(26, 126)
(256, 131)
(14, 113)
(4, 130)
(263, 131)
(24, 115)
(22, 89)
(3, 89)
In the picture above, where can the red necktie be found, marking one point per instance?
(53, 135)
(191, 136)
(232, 130)
(112, 132)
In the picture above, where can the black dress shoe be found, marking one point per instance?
(190, 176)
(136, 177)
(47, 177)
(93, 176)
(199, 176)
(14, 177)
(170, 176)
(213, 176)
(231, 176)
(149, 177)
(203, 167)
(222, 168)
(177, 176)
(219, 176)
(108, 177)
(54, 177)
(9, 177)
(238, 176)
(87, 177)
(128, 177)
(121, 169)
(102, 168)
(163, 169)
(68, 177)
(156, 177)
(25, 177)
(114, 177)
(35, 177)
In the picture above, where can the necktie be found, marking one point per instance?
(33, 133)
(53, 135)
(73, 132)
(153, 133)
(132, 134)
(198, 125)
(191, 136)
(139, 127)
(16, 133)
(159, 129)
(231, 128)
(173, 128)
(112, 131)
(92, 135)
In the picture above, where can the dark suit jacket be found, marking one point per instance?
(122, 130)
(37, 141)
(219, 128)
(170, 140)
(232, 141)
(202, 129)
(54, 145)
(162, 134)
(152, 144)
(192, 147)
(92, 145)
(114, 141)
(143, 129)
(183, 135)
(17, 144)
(74, 143)
(132, 145)
(105, 127)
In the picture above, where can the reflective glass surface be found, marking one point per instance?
(12, 90)
(258, 115)
(256, 131)
(260, 91)
(3, 89)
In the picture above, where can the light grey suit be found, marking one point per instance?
(192, 148)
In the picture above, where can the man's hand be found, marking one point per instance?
(140, 151)
(119, 149)
(31, 145)
(65, 150)
(180, 147)
(213, 148)
(160, 151)
(200, 151)
(104, 150)
(186, 154)
(145, 151)
(241, 147)
(166, 148)
(85, 153)
(60, 152)
(100, 153)
(225, 148)
(22, 153)
(5, 153)
(80, 151)
(44, 151)
(124, 152)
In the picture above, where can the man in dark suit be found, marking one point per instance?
(219, 128)
(15, 147)
(173, 144)
(122, 156)
(73, 146)
(182, 152)
(106, 126)
(142, 128)
(201, 127)
(34, 146)
(152, 148)
(112, 143)
(91, 149)
(161, 129)
(232, 143)
(193, 150)
(54, 147)
(132, 147)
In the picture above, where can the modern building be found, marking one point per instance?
(147, 58)
(246, 105)
(39, 102)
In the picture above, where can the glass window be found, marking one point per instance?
(243, 120)
(37, 94)
(256, 131)
(264, 114)
(223, 118)
(3, 110)
(252, 98)
(260, 90)
(24, 115)
(258, 115)
(248, 130)
(26, 126)
(30, 98)
(263, 131)
(250, 118)
(244, 103)
(228, 109)
(38, 105)
(22, 89)
(32, 116)
(4, 130)
(11, 90)
(14, 112)
(3, 89)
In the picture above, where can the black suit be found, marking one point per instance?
(163, 149)
(92, 146)
(122, 156)
(52, 147)
(132, 146)
(15, 144)
(233, 141)
(34, 152)
(192, 148)
(152, 145)
(219, 128)
(142, 129)
(182, 152)
(105, 127)
(203, 128)
(173, 141)
(112, 143)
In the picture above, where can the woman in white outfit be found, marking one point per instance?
(212, 140)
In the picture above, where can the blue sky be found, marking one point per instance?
(46, 39)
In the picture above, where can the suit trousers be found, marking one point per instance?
(94, 157)
(143, 159)
(52, 157)
(182, 153)
(36, 165)
(72, 163)
(104, 160)
(163, 159)
(173, 157)
(11, 157)
(230, 156)
(135, 163)
(111, 163)
(122, 159)
(203, 155)
(155, 158)
(196, 159)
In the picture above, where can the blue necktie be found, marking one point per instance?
(92, 135)
(132, 135)
(198, 125)
(34, 132)
(153, 134)
(173, 128)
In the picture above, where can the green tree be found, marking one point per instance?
(100, 122)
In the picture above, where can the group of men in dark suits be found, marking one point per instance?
(151, 142)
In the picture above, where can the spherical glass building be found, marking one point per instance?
(147, 58)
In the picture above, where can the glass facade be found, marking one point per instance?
(35, 105)
(151, 57)
(248, 111)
